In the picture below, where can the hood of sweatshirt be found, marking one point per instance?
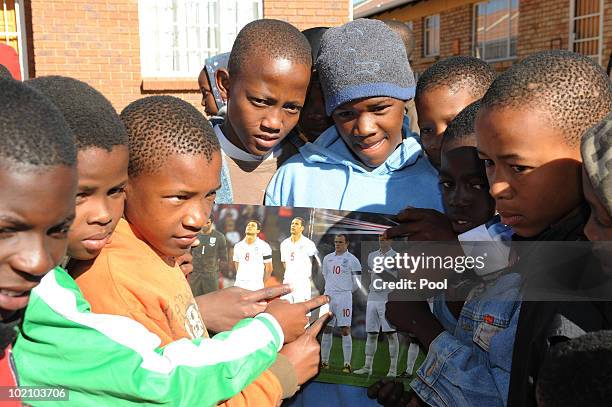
(329, 148)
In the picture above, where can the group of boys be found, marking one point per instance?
(112, 317)
(117, 201)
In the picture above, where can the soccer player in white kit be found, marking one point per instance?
(252, 258)
(296, 255)
(342, 273)
(375, 313)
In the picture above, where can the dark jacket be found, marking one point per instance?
(543, 324)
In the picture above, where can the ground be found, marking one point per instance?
(379, 368)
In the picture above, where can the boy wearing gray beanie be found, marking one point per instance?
(366, 79)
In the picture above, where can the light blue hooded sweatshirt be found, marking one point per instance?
(325, 174)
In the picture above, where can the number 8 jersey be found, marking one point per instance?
(251, 259)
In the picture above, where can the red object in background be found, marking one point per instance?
(285, 212)
(10, 59)
(7, 376)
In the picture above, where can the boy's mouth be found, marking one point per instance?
(368, 147)
(96, 242)
(461, 223)
(265, 141)
(510, 219)
(187, 240)
(14, 299)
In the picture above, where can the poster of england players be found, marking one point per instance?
(315, 251)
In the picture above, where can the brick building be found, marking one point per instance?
(130, 48)
(499, 31)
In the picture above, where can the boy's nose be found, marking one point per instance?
(590, 231)
(365, 126)
(272, 121)
(197, 217)
(500, 190)
(458, 199)
(101, 215)
(34, 260)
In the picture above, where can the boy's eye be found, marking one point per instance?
(116, 191)
(178, 198)
(80, 197)
(346, 114)
(488, 163)
(212, 196)
(379, 109)
(258, 102)
(518, 168)
(293, 109)
(60, 231)
(479, 186)
(426, 130)
(446, 184)
(5, 233)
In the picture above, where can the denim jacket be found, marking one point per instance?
(469, 363)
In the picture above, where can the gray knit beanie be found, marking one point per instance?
(597, 159)
(360, 59)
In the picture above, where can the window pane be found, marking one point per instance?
(586, 35)
(8, 24)
(431, 35)
(514, 17)
(178, 35)
(436, 35)
(496, 29)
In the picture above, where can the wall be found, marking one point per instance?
(309, 13)
(543, 24)
(97, 41)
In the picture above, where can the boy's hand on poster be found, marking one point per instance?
(222, 309)
(418, 224)
(389, 393)
(292, 317)
(185, 262)
(305, 352)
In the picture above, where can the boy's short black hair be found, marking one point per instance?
(273, 38)
(578, 372)
(574, 90)
(33, 131)
(92, 118)
(5, 73)
(457, 73)
(313, 36)
(161, 126)
(404, 32)
(461, 129)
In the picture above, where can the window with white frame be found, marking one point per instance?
(13, 34)
(496, 29)
(586, 28)
(176, 36)
(431, 36)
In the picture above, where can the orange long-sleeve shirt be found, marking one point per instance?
(128, 278)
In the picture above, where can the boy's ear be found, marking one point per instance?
(222, 78)
(128, 189)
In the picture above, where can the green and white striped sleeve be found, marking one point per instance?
(113, 360)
